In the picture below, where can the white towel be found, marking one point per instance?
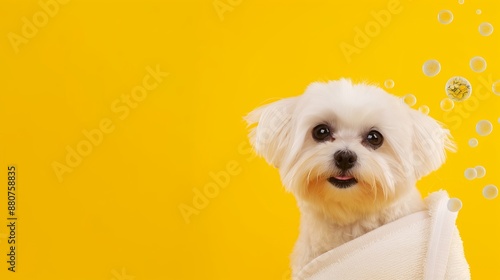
(424, 245)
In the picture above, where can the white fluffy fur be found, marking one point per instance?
(414, 145)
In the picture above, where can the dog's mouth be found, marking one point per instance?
(342, 181)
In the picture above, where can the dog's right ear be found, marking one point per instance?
(430, 142)
(270, 129)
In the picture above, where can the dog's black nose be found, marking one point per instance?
(345, 159)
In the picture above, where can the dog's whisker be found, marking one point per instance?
(374, 190)
(309, 175)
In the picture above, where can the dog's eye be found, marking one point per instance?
(374, 139)
(321, 132)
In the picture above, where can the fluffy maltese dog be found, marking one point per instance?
(351, 154)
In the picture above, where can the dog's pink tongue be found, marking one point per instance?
(343, 178)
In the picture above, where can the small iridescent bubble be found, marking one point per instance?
(424, 109)
(458, 88)
(445, 16)
(486, 29)
(454, 204)
(473, 142)
(477, 64)
(389, 84)
(410, 99)
(447, 104)
(490, 191)
(480, 171)
(478, 11)
(484, 127)
(470, 173)
(431, 68)
(460, 2)
(495, 87)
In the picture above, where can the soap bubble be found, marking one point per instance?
(473, 142)
(389, 83)
(470, 173)
(460, 2)
(447, 104)
(484, 127)
(424, 109)
(458, 88)
(478, 11)
(445, 16)
(454, 204)
(490, 191)
(431, 68)
(477, 64)
(410, 99)
(481, 171)
(485, 29)
(496, 87)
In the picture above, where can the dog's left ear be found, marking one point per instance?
(270, 129)
(430, 142)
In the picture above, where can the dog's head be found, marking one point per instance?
(347, 148)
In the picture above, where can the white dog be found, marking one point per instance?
(351, 155)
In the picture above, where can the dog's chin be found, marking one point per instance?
(342, 182)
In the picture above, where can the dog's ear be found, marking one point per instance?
(270, 129)
(430, 142)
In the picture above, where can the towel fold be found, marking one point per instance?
(424, 245)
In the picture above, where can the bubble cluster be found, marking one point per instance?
(486, 29)
(477, 64)
(431, 68)
(484, 127)
(410, 99)
(470, 173)
(389, 83)
(480, 171)
(490, 191)
(454, 204)
(458, 88)
(473, 142)
(424, 109)
(445, 16)
(447, 104)
(475, 172)
(496, 87)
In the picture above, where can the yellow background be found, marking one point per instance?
(116, 215)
